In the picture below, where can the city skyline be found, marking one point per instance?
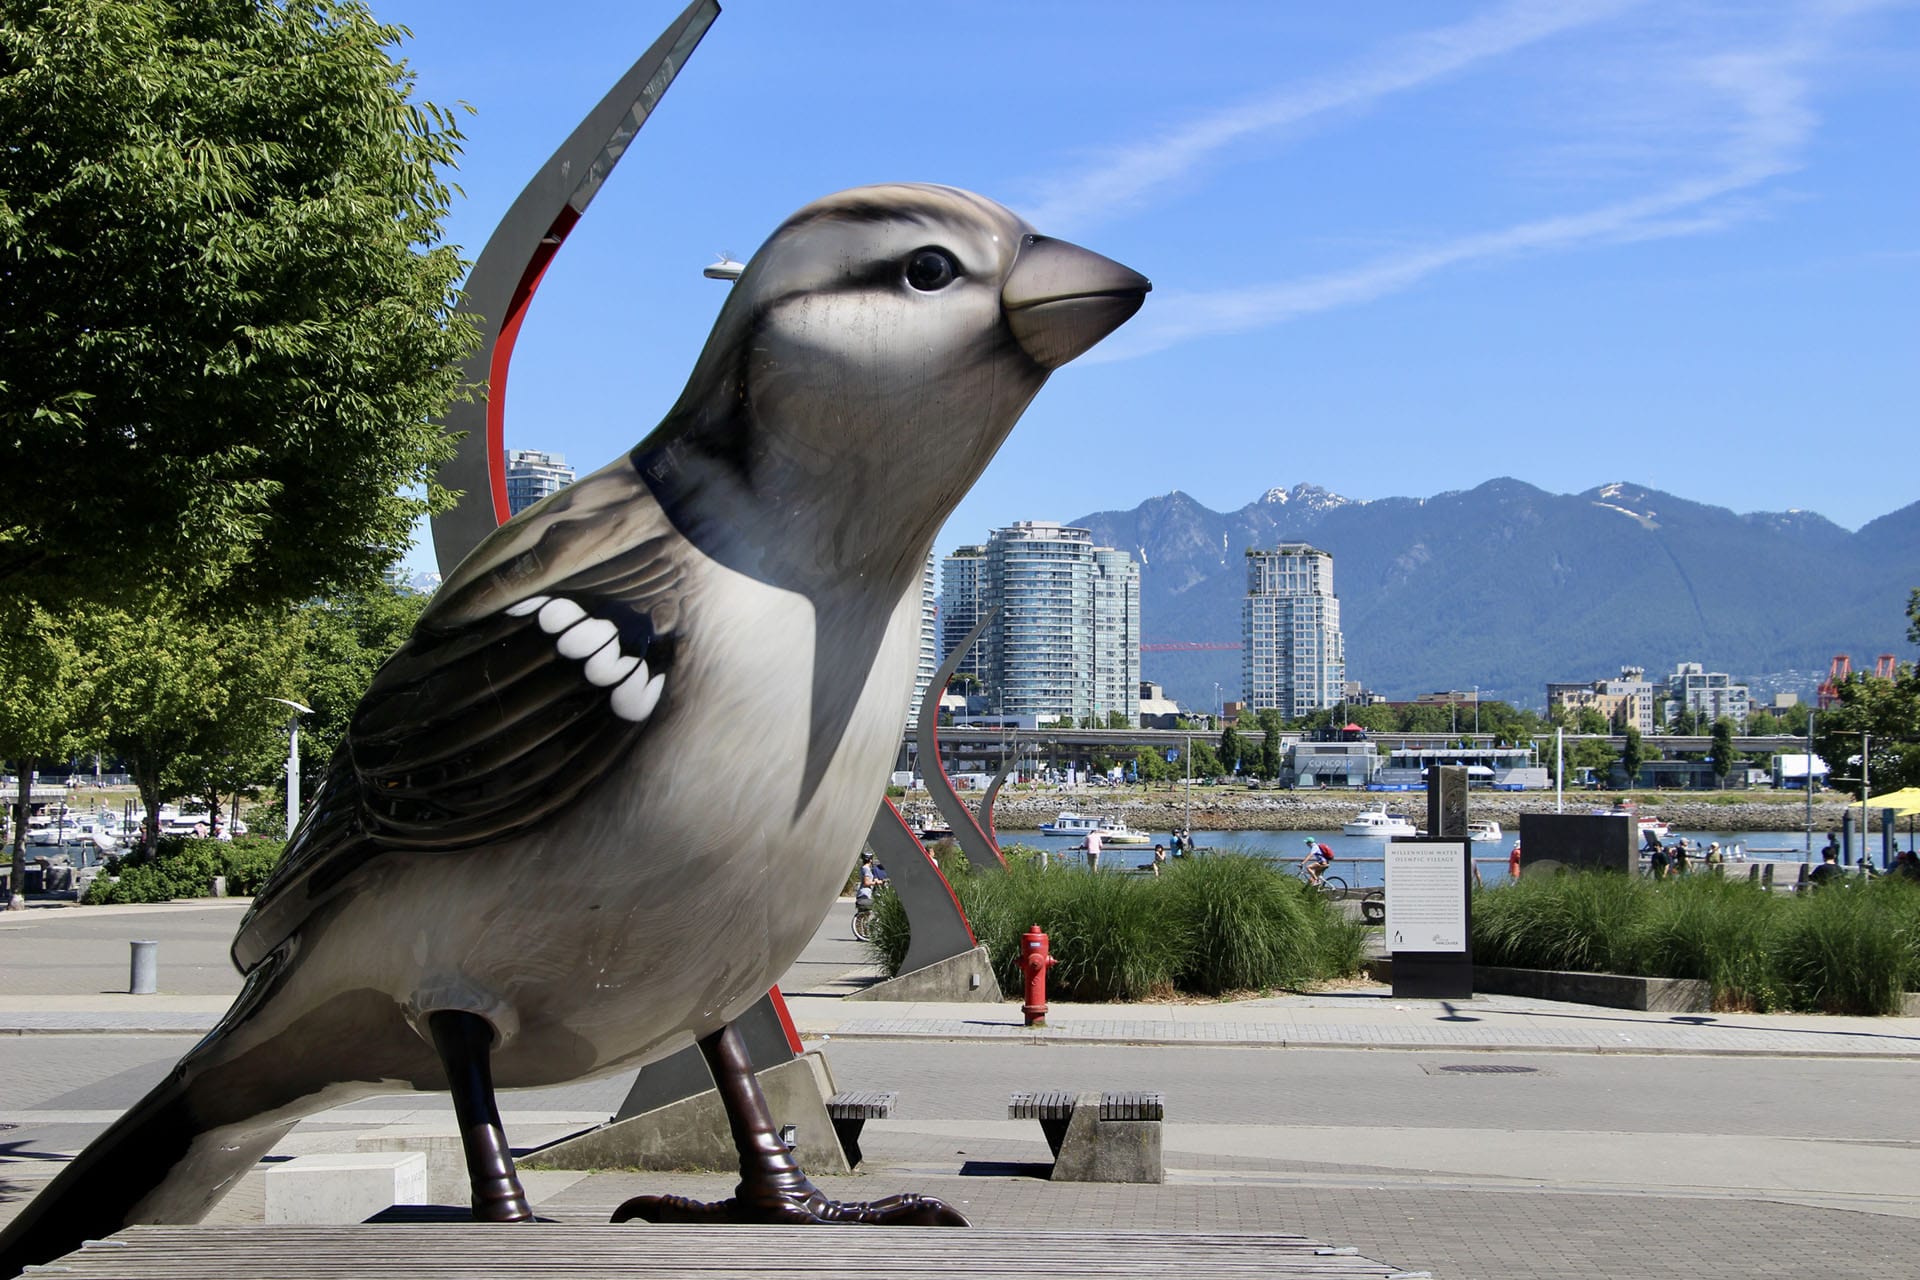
(1397, 249)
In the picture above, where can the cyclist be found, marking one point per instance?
(869, 881)
(1318, 858)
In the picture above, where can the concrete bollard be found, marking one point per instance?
(145, 978)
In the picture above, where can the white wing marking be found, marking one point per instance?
(586, 638)
(557, 615)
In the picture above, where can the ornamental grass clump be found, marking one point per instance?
(1849, 948)
(1852, 947)
(1247, 927)
(1712, 929)
(1575, 922)
(1207, 926)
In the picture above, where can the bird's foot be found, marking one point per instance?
(796, 1207)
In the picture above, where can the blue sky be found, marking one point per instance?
(1397, 248)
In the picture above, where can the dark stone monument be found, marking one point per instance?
(1577, 841)
(1430, 897)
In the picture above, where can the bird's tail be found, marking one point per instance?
(157, 1163)
(184, 1146)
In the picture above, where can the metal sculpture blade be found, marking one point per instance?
(981, 850)
(517, 255)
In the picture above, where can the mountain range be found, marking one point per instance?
(1506, 586)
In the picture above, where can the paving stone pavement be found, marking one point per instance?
(1623, 1144)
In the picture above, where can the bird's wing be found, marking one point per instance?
(532, 674)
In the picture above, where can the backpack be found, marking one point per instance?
(1326, 854)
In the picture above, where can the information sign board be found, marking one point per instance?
(1427, 895)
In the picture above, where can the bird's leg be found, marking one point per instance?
(465, 1042)
(773, 1189)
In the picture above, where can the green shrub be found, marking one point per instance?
(184, 867)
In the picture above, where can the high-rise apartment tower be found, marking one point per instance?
(1293, 657)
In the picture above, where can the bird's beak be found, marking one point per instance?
(1060, 299)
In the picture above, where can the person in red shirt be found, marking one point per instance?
(1513, 862)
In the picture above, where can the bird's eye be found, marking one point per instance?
(929, 270)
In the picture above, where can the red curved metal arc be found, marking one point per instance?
(502, 356)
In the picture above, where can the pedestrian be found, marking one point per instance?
(1828, 871)
(1833, 847)
(1513, 861)
(1679, 861)
(1093, 850)
(1714, 858)
(1657, 861)
(1160, 858)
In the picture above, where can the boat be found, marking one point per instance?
(1120, 833)
(1646, 821)
(1074, 824)
(1483, 829)
(1376, 821)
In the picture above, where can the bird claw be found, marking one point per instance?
(793, 1208)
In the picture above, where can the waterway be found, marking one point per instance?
(1359, 860)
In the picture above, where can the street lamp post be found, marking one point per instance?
(293, 760)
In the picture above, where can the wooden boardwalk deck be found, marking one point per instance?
(562, 1251)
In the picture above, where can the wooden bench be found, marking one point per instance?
(1106, 1137)
(850, 1112)
(581, 1250)
(1053, 1108)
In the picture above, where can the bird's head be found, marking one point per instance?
(867, 365)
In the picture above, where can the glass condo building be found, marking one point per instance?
(1293, 657)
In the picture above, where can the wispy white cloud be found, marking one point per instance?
(1768, 125)
(1126, 176)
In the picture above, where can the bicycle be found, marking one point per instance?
(863, 913)
(1329, 886)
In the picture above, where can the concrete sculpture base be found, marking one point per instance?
(693, 1134)
(967, 976)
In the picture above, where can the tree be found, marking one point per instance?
(1270, 752)
(1231, 750)
(1686, 723)
(1594, 754)
(227, 320)
(347, 637)
(1589, 720)
(187, 702)
(1205, 763)
(1633, 754)
(44, 679)
(1722, 749)
(1888, 711)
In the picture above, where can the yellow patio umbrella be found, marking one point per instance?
(1905, 802)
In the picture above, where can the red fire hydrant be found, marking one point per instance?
(1036, 961)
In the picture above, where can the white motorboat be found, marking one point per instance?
(1376, 821)
(1483, 829)
(1075, 824)
(1118, 832)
